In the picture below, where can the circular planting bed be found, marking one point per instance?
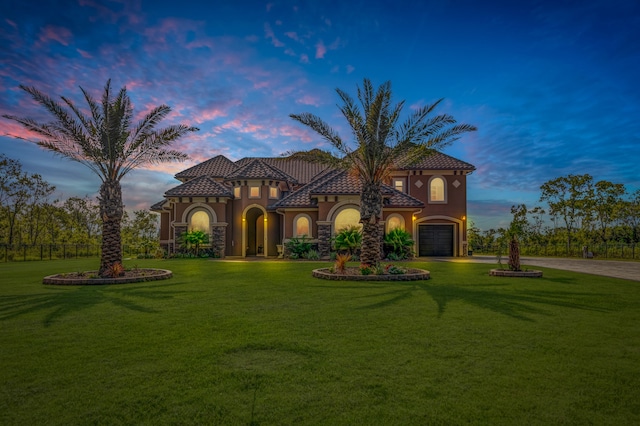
(519, 274)
(92, 278)
(354, 274)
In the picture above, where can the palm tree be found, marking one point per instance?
(381, 143)
(107, 142)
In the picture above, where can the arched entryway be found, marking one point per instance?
(254, 231)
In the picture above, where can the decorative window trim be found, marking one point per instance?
(403, 184)
(444, 191)
(259, 191)
(186, 216)
(277, 191)
(295, 225)
(339, 210)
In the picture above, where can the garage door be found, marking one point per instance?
(435, 240)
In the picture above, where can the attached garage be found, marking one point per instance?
(435, 240)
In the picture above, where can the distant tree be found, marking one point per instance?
(109, 144)
(35, 210)
(607, 205)
(21, 199)
(141, 231)
(82, 221)
(630, 216)
(568, 198)
(381, 142)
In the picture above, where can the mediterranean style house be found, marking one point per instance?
(253, 206)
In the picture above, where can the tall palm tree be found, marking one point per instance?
(381, 143)
(108, 143)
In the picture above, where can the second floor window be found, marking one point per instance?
(436, 190)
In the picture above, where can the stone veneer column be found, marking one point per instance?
(178, 230)
(324, 239)
(219, 238)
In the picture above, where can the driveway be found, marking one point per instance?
(609, 268)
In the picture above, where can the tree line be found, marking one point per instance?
(577, 212)
(31, 215)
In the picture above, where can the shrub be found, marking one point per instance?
(192, 240)
(395, 270)
(399, 242)
(312, 255)
(349, 239)
(366, 269)
(115, 270)
(298, 247)
(341, 262)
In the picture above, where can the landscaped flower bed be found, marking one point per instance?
(92, 278)
(355, 274)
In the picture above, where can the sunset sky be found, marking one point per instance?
(552, 85)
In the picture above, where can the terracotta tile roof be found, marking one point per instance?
(203, 186)
(440, 161)
(302, 171)
(338, 182)
(218, 166)
(259, 169)
(157, 206)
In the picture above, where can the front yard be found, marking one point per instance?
(265, 343)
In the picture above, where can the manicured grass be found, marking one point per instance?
(265, 343)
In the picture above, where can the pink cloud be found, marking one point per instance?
(52, 33)
(292, 35)
(268, 32)
(84, 54)
(320, 50)
(304, 58)
(15, 130)
(10, 22)
(308, 100)
(350, 69)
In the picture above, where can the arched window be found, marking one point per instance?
(347, 217)
(301, 226)
(199, 221)
(437, 190)
(395, 221)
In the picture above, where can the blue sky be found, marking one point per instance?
(551, 85)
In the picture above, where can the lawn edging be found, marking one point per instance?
(142, 275)
(412, 274)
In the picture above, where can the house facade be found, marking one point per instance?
(253, 206)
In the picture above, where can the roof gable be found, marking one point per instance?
(340, 182)
(259, 169)
(203, 186)
(439, 161)
(217, 167)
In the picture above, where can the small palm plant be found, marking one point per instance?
(341, 262)
(400, 243)
(349, 239)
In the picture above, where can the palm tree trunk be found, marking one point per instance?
(370, 210)
(111, 211)
(514, 254)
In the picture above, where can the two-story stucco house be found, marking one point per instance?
(251, 207)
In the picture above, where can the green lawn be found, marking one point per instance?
(265, 343)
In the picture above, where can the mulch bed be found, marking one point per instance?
(92, 278)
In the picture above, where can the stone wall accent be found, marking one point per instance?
(219, 239)
(324, 239)
(178, 230)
